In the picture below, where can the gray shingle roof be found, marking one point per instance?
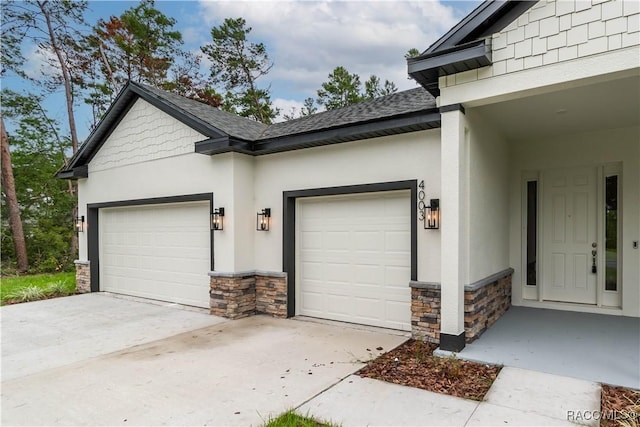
(400, 112)
(239, 127)
(396, 104)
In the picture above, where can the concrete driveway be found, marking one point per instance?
(99, 360)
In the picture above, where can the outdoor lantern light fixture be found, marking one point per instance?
(262, 219)
(217, 219)
(80, 224)
(432, 215)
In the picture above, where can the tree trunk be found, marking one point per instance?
(8, 183)
(66, 76)
(68, 92)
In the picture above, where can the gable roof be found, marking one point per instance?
(401, 112)
(465, 46)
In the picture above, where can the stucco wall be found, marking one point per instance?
(144, 134)
(488, 213)
(243, 185)
(558, 31)
(413, 156)
(592, 148)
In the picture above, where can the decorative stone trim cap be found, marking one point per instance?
(250, 273)
(80, 262)
(489, 280)
(468, 288)
(424, 285)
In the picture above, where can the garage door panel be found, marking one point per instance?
(338, 304)
(397, 241)
(367, 240)
(157, 251)
(368, 274)
(354, 258)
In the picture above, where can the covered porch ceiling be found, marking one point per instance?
(605, 105)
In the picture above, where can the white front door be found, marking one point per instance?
(569, 233)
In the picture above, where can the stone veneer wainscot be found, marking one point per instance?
(485, 302)
(83, 276)
(237, 295)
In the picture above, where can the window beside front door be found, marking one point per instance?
(611, 233)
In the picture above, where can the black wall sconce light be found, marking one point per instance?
(79, 225)
(217, 219)
(262, 219)
(432, 215)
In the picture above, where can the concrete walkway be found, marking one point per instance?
(517, 398)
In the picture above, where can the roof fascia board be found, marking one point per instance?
(465, 52)
(465, 27)
(427, 70)
(74, 173)
(327, 137)
(104, 127)
(488, 18)
(221, 145)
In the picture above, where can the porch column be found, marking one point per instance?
(453, 220)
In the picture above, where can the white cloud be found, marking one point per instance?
(307, 40)
(286, 106)
(40, 62)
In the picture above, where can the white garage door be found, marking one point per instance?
(157, 251)
(354, 259)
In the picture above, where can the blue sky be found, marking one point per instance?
(306, 40)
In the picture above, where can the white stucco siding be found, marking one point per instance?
(558, 31)
(488, 211)
(412, 156)
(144, 134)
(176, 176)
(593, 148)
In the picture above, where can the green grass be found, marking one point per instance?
(291, 419)
(32, 288)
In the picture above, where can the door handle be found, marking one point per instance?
(594, 252)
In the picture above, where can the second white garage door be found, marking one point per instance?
(354, 259)
(157, 251)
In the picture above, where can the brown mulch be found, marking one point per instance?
(417, 367)
(620, 406)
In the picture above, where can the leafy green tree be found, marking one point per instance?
(54, 27)
(344, 88)
(236, 65)
(373, 88)
(307, 109)
(412, 53)
(38, 150)
(140, 45)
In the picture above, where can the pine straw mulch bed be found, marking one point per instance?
(620, 406)
(418, 367)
